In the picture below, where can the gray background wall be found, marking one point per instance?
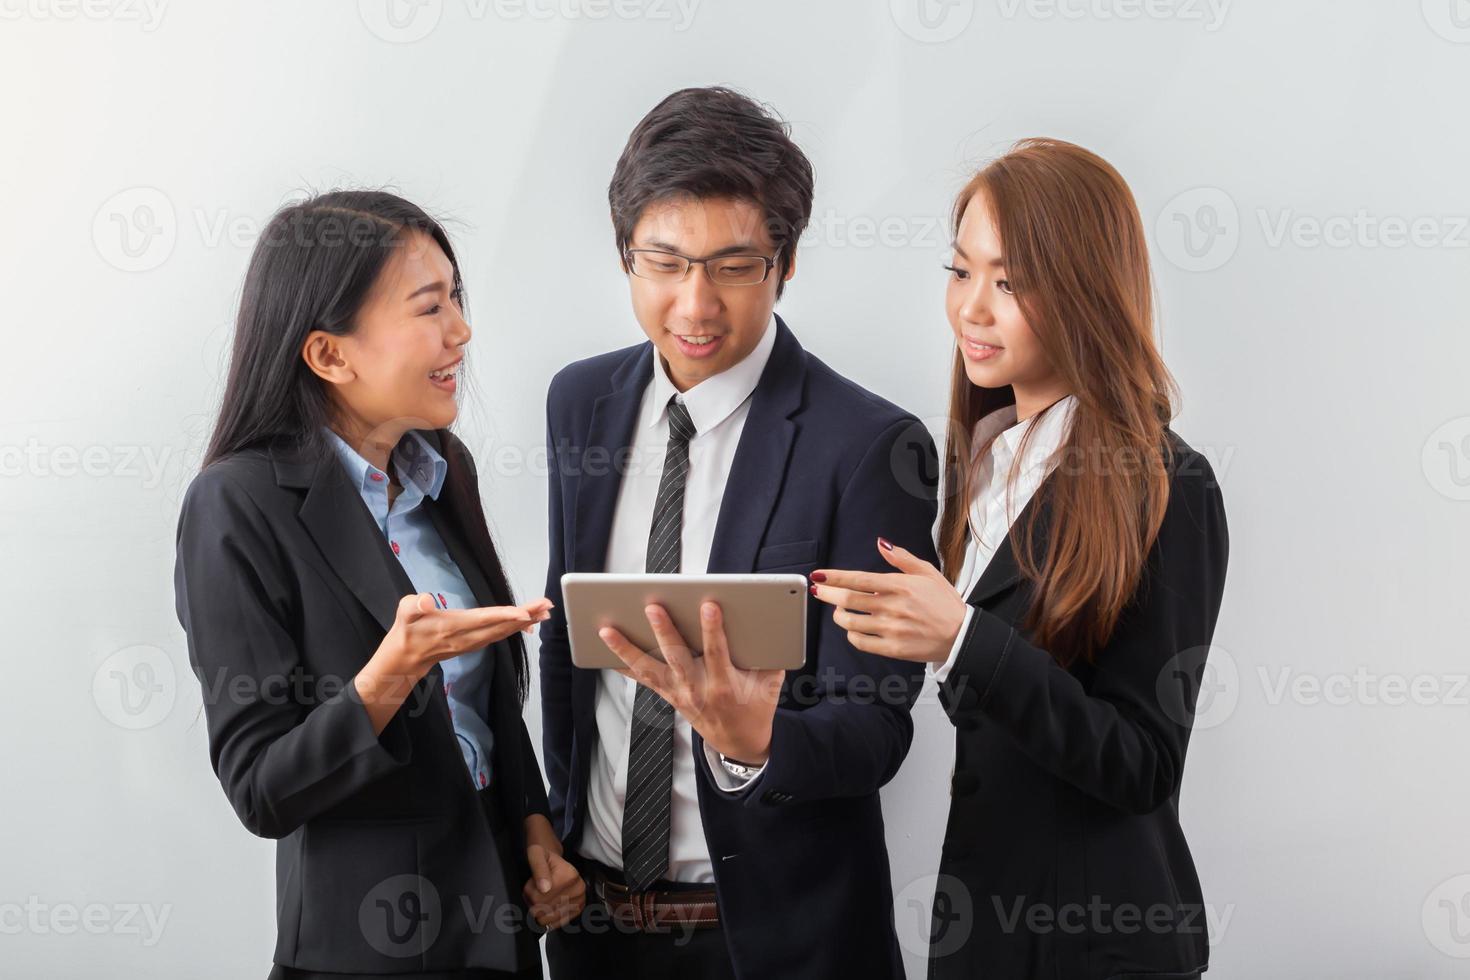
(1302, 167)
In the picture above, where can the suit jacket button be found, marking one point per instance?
(964, 784)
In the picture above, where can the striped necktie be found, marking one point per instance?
(651, 743)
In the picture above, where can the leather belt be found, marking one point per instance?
(656, 910)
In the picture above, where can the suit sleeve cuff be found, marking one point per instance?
(724, 778)
(393, 744)
(981, 661)
(941, 671)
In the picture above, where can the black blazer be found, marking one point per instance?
(385, 862)
(1063, 856)
(822, 469)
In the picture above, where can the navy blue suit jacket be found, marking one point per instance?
(823, 468)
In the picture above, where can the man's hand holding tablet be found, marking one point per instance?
(731, 708)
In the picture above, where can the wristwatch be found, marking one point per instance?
(740, 769)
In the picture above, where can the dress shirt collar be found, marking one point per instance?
(714, 399)
(1052, 426)
(416, 462)
(1015, 484)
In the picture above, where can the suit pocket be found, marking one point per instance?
(787, 555)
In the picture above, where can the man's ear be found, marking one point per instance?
(790, 266)
(322, 353)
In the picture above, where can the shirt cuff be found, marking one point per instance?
(724, 778)
(941, 671)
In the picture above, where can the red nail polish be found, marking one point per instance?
(812, 590)
(885, 544)
(819, 577)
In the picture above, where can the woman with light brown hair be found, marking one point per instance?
(1083, 546)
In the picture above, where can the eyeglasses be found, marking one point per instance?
(726, 270)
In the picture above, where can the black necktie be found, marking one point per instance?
(651, 742)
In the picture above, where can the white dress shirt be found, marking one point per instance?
(1001, 494)
(718, 407)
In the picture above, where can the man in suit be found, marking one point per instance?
(727, 825)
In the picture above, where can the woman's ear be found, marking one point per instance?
(322, 353)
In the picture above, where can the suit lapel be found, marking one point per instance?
(602, 460)
(999, 575)
(598, 479)
(339, 522)
(342, 527)
(1004, 570)
(759, 468)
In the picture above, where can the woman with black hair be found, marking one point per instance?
(349, 620)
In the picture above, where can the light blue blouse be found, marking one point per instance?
(412, 537)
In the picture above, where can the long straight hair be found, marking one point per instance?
(312, 269)
(1077, 259)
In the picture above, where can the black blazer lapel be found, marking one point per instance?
(759, 468)
(1004, 570)
(603, 458)
(999, 575)
(340, 524)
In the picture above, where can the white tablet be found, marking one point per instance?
(765, 615)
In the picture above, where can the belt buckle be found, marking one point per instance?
(637, 907)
